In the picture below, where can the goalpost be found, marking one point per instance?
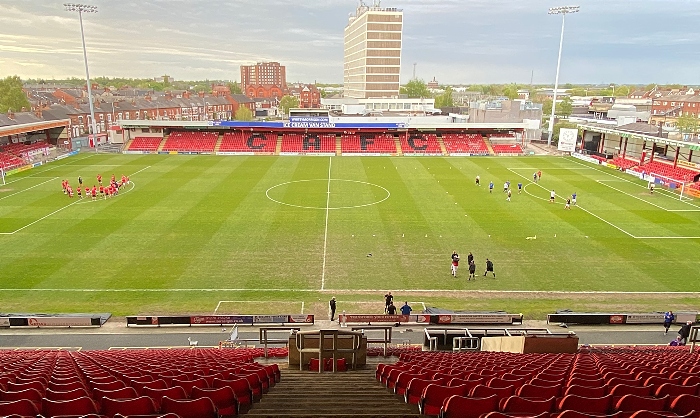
(671, 184)
(2, 175)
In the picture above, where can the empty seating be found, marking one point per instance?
(420, 143)
(462, 144)
(307, 143)
(135, 406)
(185, 141)
(623, 163)
(667, 170)
(9, 161)
(190, 408)
(141, 143)
(507, 149)
(246, 142)
(368, 144)
(468, 407)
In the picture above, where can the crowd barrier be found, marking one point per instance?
(50, 321)
(617, 318)
(441, 319)
(219, 320)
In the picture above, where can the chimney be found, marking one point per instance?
(186, 94)
(201, 94)
(168, 95)
(148, 97)
(11, 114)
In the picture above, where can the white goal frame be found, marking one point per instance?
(2, 176)
(667, 181)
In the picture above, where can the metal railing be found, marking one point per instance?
(469, 339)
(265, 339)
(328, 334)
(694, 337)
(385, 341)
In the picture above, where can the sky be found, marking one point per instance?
(455, 41)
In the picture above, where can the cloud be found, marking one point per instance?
(456, 41)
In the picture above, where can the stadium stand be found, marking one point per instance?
(623, 163)
(198, 383)
(308, 143)
(599, 158)
(667, 170)
(191, 141)
(505, 149)
(418, 143)
(597, 382)
(141, 143)
(9, 161)
(20, 149)
(249, 142)
(368, 144)
(465, 144)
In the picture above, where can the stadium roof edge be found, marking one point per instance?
(643, 137)
(32, 127)
(126, 124)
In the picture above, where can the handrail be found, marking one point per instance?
(387, 334)
(264, 340)
(694, 337)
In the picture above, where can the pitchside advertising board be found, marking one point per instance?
(455, 319)
(567, 139)
(309, 123)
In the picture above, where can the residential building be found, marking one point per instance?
(264, 74)
(665, 110)
(372, 63)
(308, 94)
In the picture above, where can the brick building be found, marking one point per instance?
(264, 74)
(665, 110)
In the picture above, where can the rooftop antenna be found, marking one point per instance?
(414, 70)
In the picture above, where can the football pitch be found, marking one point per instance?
(261, 235)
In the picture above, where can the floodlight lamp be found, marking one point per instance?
(561, 10)
(81, 8)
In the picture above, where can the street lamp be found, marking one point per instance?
(84, 8)
(563, 11)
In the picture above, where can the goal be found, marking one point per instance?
(673, 185)
(2, 176)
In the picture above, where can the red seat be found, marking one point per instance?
(685, 404)
(79, 406)
(675, 390)
(468, 407)
(584, 404)
(190, 408)
(17, 387)
(534, 391)
(631, 403)
(502, 383)
(576, 414)
(621, 390)
(32, 395)
(614, 381)
(516, 404)
(658, 414)
(224, 399)
(113, 385)
(255, 385)
(121, 393)
(175, 392)
(586, 382)
(482, 391)
(135, 406)
(504, 415)
(240, 388)
(156, 384)
(405, 377)
(189, 384)
(64, 396)
(435, 395)
(21, 407)
(588, 391)
(414, 390)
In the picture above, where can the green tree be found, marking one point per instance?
(288, 102)
(622, 91)
(445, 99)
(558, 126)
(511, 91)
(564, 108)
(415, 89)
(243, 114)
(11, 95)
(235, 88)
(578, 91)
(689, 124)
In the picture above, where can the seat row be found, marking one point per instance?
(368, 143)
(305, 143)
(9, 161)
(249, 142)
(141, 143)
(465, 144)
(667, 170)
(501, 149)
(623, 163)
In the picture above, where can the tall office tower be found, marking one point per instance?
(373, 52)
(264, 74)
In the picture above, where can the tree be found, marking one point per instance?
(688, 123)
(558, 126)
(564, 108)
(622, 91)
(578, 91)
(244, 114)
(444, 99)
(415, 89)
(235, 88)
(288, 102)
(11, 95)
(511, 91)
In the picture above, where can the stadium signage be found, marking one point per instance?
(59, 321)
(312, 125)
(651, 318)
(4, 322)
(270, 319)
(476, 318)
(583, 157)
(221, 319)
(298, 319)
(316, 119)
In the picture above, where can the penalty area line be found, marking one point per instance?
(368, 291)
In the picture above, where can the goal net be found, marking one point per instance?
(2, 176)
(672, 185)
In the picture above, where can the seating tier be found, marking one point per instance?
(141, 143)
(249, 142)
(465, 144)
(368, 144)
(191, 141)
(308, 143)
(507, 149)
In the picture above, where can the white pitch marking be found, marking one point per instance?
(145, 168)
(630, 195)
(218, 305)
(325, 233)
(40, 219)
(302, 307)
(28, 188)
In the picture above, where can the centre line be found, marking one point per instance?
(325, 233)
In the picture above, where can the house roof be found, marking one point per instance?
(640, 128)
(242, 98)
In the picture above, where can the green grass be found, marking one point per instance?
(196, 230)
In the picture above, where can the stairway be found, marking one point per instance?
(488, 146)
(219, 139)
(304, 394)
(278, 147)
(399, 151)
(162, 143)
(442, 145)
(338, 145)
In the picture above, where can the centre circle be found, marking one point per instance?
(327, 194)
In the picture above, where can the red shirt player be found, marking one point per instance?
(102, 189)
(79, 194)
(94, 193)
(123, 179)
(113, 178)
(99, 179)
(70, 191)
(63, 185)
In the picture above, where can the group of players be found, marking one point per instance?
(536, 177)
(104, 191)
(472, 266)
